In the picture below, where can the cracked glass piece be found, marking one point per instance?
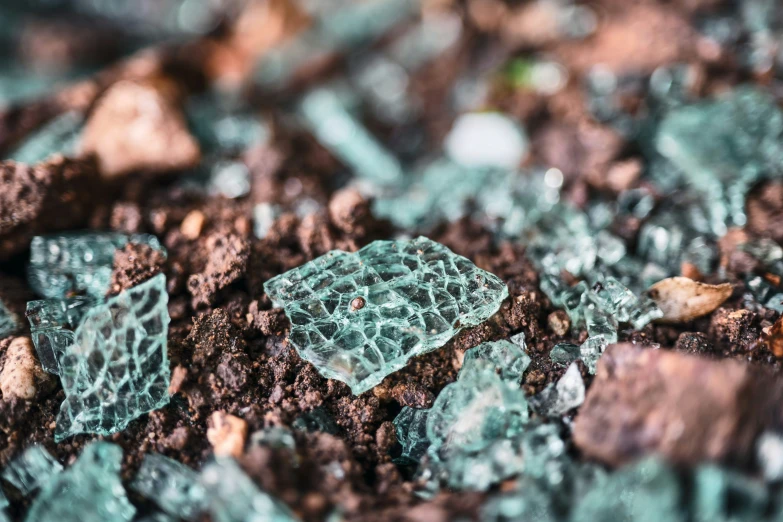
(89, 491)
(59, 136)
(559, 398)
(117, 367)
(723, 147)
(564, 353)
(234, 497)
(411, 428)
(8, 321)
(647, 491)
(78, 262)
(765, 293)
(359, 317)
(221, 125)
(506, 357)
(174, 487)
(722, 495)
(31, 469)
(52, 326)
(329, 119)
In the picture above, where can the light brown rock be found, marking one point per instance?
(682, 299)
(687, 408)
(138, 126)
(22, 376)
(227, 434)
(192, 224)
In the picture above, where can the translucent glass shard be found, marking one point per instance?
(360, 317)
(505, 357)
(647, 491)
(564, 353)
(8, 321)
(117, 367)
(174, 487)
(557, 399)
(723, 147)
(31, 469)
(721, 495)
(411, 428)
(89, 491)
(77, 262)
(52, 326)
(233, 497)
(59, 136)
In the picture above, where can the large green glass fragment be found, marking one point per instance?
(233, 497)
(31, 469)
(172, 485)
(89, 491)
(52, 326)
(359, 317)
(77, 262)
(724, 147)
(117, 367)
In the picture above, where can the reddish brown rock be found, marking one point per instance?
(138, 126)
(53, 195)
(685, 407)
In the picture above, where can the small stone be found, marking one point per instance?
(417, 295)
(139, 127)
(683, 299)
(769, 455)
(686, 408)
(89, 491)
(349, 211)
(171, 485)
(192, 224)
(227, 434)
(22, 376)
(559, 322)
(693, 342)
(31, 469)
(736, 330)
(486, 140)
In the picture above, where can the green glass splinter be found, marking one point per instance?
(172, 485)
(359, 317)
(31, 469)
(89, 491)
(117, 367)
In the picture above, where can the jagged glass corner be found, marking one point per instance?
(174, 487)
(31, 469)
(359, 317)
(117, 367)
(62, 264)
(89, 491)
(233, 497)
(52, 326)
(411, 428)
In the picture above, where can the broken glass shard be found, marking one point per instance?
(89, 491)
(174, 487)
(411, 428)
(564, 353)
(221, 125)
(507, 358)
(557, 399)
(30, 470)
(77, 262)
(233, 497)
(726, 495)
(264, 215)
(359, 317)
(275, 437)
(52, 326)
(117, 367)
(59, 136)
(647, 491)
(8, 321)
(724, 147)
(765, 293)
(328, 117)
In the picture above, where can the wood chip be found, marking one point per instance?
(683, 299)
